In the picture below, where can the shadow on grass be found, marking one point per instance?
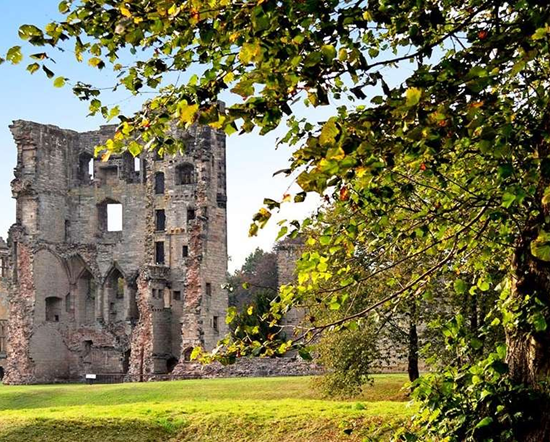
(103, 430)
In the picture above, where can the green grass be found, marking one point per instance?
(251, 409)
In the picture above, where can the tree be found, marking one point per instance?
(251, 290)
(257, 274)
(452, 162)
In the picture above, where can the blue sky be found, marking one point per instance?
(251, 159)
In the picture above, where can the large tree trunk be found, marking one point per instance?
(528, 354)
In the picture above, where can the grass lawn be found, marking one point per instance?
(250, 409)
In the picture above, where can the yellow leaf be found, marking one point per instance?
(125, 11)
(413, 95)
(105, 157)
(187, 112)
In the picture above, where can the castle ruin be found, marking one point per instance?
(116, 267)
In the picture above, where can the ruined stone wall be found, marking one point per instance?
(288, 252)
(90, 298)
(4, 305)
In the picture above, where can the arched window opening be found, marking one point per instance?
(53, 308)
(85, 298)
(159, 183)
(185, 174)
(115, 286)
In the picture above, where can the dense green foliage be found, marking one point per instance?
(252, 288)
(452, 163)
(283, 409)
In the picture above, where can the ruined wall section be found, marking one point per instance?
(20, 366)
(107, 300)
(288, 252)
(215, 242)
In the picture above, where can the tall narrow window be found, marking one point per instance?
(160, 220)
(191, 215)
(208, 289)
(120, 287)
(215, 323)
(159, 252)
(67, 230)
(4, 267)
(91, 168)
(184, 251)
(159, 183)
(137, 164)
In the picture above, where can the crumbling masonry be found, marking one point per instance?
(88, 296)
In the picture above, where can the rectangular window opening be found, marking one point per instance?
(160, 220)
(114, 217)
(184, 251)
(208, 289)
(159, 252)
(215, 323)
(191, 215)
(176, 294)
(91, 168)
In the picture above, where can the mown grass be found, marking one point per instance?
(252, 409)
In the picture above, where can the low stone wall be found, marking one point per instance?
(246, 367)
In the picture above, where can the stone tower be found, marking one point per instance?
(117, 267)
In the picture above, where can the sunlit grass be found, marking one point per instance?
(251, 409)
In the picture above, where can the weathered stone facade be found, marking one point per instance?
(91, 297)
(4, 288)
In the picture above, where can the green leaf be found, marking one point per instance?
(413, 95)
(28, 31)
(33, 67)
(508, 199)
(483, 285)
(460, 286)
(329, 132)
(59, 82)
(14, 55)
(329, 52)
(305, 354)
(484, 422)
(250, 52)
(282, 233)
(134, 148)
(63, 7)
(540, 247)
(539, 322)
